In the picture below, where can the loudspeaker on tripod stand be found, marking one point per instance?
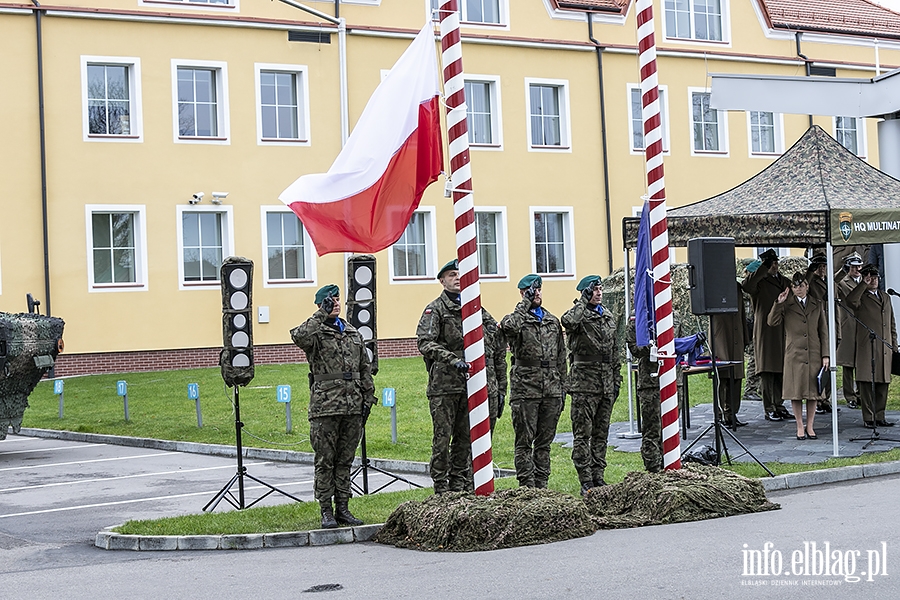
(712, 276)
(361, 303)
(236, 358)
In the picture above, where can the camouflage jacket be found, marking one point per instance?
(539, 354)
(641, 354)
(494, 356)
(594, 365)
(439, 337)
(340, 373)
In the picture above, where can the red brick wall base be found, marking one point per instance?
(195, 358)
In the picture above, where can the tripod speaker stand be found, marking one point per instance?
(363, 469)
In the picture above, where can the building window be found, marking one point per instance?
(116, 236)
(205, 240)
(201, 103)
(490, 235)
(765, 133)
(708, 125)
(290, 256)
(413, 256)
(483, 111)
(850, 133)
(486, 12)
(548, 126)
(281, 103)
(637, 122)
(552, 241)
(695, 19)
(111, 98)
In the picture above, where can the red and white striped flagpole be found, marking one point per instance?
(659, 235)
(466, 249)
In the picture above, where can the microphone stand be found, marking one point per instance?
(875, 435)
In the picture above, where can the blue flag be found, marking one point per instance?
(644, 313)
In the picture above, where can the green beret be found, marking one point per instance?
(326, 291)
(529, 280)
(587, 282)
(453, 265)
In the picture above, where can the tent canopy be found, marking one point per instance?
(789, 203)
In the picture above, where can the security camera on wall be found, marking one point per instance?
(217, 197)
(196, 198)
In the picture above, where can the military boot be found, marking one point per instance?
(343, 515)
(328, 521)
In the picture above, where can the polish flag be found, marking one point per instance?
(365, 200)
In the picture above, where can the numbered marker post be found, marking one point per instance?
(389, 398)
(194, 394)
(122, 390)
(283, 393)
(58, 390)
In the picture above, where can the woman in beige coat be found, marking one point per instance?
(805, 349)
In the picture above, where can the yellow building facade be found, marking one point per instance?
(147, 140)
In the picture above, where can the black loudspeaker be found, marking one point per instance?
(236, 359)
(361, 302)
(712, 276)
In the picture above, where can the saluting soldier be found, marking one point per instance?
(495, 365)
(845, 282)
(341, 394)
(535, 381)
(595, 376)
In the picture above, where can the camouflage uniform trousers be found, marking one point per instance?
(651, 429)
(334, 440)
(751, 382)
(590, 428)
(451, 444)
(534, 423)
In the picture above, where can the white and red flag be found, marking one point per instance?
(365, 200)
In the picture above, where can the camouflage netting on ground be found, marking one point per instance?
(26, 336)
(461, 522)
(693, 493)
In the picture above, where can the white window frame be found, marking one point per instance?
(309, 258)
(664, 116)
(141, 283)
(568, 228)
(726, 27)
(430, 251)
(301, 74)
(565, 121)
(222, 112)
(721, 121)
(227, 241)
(493, 82)
(778, 120)
(502, 243)
(463, 9)
(133, 64)
(860, 135)
(232, 6)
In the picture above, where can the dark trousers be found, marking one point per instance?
(651, 429)
(590, 429)
(534, 423)
(873, 404)
(451, 444)
(729, 397)
(334, 440)
(851, 391)
(770, 390)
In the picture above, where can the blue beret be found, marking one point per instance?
(453, 265)
(587, 281)
(326, 291)
(529, 280)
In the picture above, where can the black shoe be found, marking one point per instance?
(737, 423)
(823, 410)
(328, 521)
(774, 417)
(599, 482)
(586, 487)
(852, 404)
(783, 413)
(343, 515)
(869, 424)
(751, 397)
(882, 423)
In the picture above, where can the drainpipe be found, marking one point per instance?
(40, 76)
(806, 62)
(337, 9)
(599, 51)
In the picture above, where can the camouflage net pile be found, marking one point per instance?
(27, 336)
(694, 493)
(463, 522)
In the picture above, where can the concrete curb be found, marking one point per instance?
(792, 481)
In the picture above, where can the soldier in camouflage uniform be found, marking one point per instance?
(340, 397)
(440, 340)
(595, 376)
(649, 402)
(536, 381)
(495, 366)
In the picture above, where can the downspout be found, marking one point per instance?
(40, 76)
(337, 9)
(599, 51)
(805, 62)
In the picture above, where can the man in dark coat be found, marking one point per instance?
(341, 395)
(764, 285)
(873, 309)
(730, 334)
(845, 282)
(817, 280)
(535, 381)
